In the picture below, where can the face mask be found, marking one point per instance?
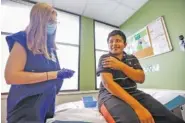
(51, 28)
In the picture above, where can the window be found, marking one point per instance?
(5, 54)
(68, 28)
(101, 47)
(68, 58)
(15, 16)
(67, 38)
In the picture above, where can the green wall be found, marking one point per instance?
(172, 64)
(87, 62)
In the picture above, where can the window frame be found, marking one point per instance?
(94, 25)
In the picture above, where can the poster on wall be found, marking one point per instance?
(149, 41)
(138, 42)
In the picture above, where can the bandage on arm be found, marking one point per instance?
(116, 90)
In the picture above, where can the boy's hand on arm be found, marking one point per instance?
(134, 74)
(112, 63)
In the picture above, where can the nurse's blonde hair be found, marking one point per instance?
(36, 31)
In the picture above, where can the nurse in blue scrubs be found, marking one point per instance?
(33, 69)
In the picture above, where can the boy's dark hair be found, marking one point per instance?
(117, 32)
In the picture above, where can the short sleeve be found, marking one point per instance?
(19, 37)
(136, 64)
(100, 68)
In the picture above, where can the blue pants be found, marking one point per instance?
(33, 109)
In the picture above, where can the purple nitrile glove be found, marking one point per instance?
(65, 73)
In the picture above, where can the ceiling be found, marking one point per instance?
(114, 12)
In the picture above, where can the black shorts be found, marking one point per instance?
(117, 111)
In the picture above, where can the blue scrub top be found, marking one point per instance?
(34, 63)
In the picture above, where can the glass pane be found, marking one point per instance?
(101, 34)
(68, 28)
(68, 58)
(15, 16)
(98, 55)
(5, 54)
